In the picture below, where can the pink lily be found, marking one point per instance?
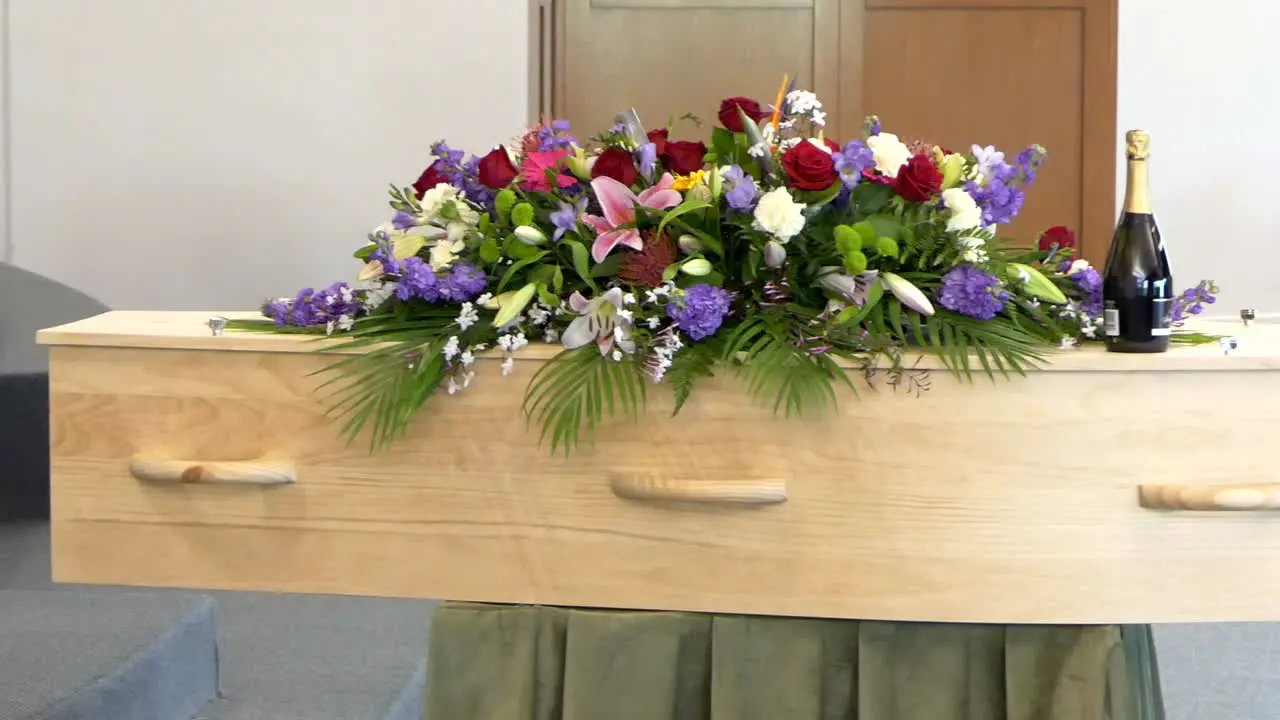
(619, 206)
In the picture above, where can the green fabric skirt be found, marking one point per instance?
(507, 662)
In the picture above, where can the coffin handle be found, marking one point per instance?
(729, 492)
(245, 472)
(1210, 498)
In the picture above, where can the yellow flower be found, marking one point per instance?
(684, 182)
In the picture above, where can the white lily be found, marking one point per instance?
(599, 321)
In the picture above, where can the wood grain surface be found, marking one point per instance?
(1014, 501)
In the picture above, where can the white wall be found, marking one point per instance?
(184, 154)
(188, 154)
(1199, 77)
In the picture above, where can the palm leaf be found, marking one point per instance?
(574, 392)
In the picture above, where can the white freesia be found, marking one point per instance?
(889, 152)
(444, 252)
(965, 213)
(778, 214)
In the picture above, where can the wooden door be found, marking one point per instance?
(955, 72)
(668, 58)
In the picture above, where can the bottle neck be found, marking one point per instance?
(1137, 198)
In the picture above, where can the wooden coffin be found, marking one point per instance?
(181, 459)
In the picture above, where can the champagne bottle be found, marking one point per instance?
(1137, 285)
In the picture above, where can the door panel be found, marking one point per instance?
(671, 57)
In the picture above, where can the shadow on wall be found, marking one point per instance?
(29, 302)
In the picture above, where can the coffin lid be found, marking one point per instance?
(1258, 345)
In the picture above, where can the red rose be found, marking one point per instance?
(918, 180)
(683, 156)
(732, 119)
(809, 167)
(1057, 235)
(496, 171)
(833, 145)
(430, 178)
(659, 140)
(615, 163)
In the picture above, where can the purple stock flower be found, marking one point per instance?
(335, 307)
(999, 199)
(403, 220)
(871, 126)
(852, 160)
(648, 159)
(555, 136)
(1193, 300)
(463, 173)
(461, 283)
(1028, 162)
(972, 292)
(740, 189)
(384, 253)
(1089, 283)
(566, 217)
(700, 310)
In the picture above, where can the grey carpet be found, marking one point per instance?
(283, 657)
(98, 655)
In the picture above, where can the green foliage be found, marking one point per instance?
(778, 366)
(577, 390)
(693, 363)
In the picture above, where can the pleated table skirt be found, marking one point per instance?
(506, 662)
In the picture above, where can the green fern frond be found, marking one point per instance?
(693, 363)
(574, 392)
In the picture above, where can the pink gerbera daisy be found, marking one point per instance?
(538, 166)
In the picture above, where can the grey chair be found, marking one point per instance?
(29, 302)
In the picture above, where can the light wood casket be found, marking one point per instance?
(1010, 501)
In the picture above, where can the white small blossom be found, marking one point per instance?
(617, 356)
(629, 299)
(551, 336)
(513, 342)
(819, 118)
(466, 358)
(1089, 331)
(508, 365)
(758, 150)
(484, 299)
(539, 315)
(654, 322)
(626, 315)
(1067, 342)
(802, 102)
(468, 316)
(791, 142)
(451, 348)
(347, 295)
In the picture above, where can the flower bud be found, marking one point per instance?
(907, 293)
(530, 235)
(696, 267)
(689, 244)
(775, 255)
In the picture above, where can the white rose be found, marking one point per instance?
(965, 213)
(778, 214)
(889, 152)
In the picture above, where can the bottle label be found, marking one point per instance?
(1111, 321)
(1161, 317)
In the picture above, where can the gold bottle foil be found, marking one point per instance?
(1137, 144)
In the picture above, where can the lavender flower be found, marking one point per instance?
(740, 188)
(972, 292)
(1029, 162)
(463, 173)
(1089, 283)
(334, 307)
(700, 310)
(463, 282)
(566, 218)
(648, 159)
(384, 253)
(403, 220)
(999, 200)
(555, 136)
(1193, 300)
(852, 160)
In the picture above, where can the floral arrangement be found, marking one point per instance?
(775, 253)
